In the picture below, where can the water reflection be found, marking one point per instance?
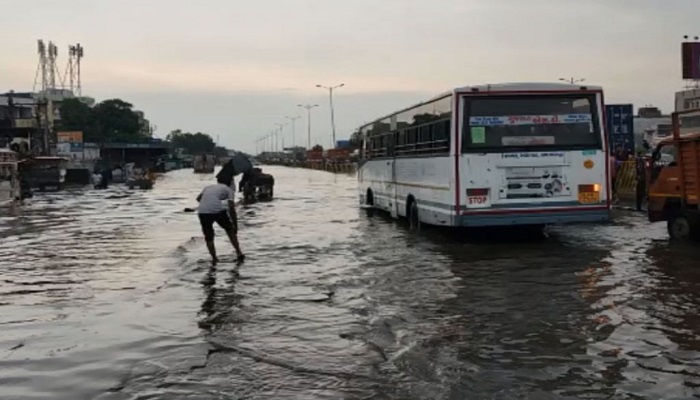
(110, 295)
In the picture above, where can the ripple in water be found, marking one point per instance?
(109, 295)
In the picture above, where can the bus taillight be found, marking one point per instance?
(477, 192)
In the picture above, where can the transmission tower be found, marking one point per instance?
(48, 76)
(53, 69)
(41, 77)
(75, 54)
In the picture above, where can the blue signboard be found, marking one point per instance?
(620, 125)
(76, 147)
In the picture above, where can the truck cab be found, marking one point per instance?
(673, 178)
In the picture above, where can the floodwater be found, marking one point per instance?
(109, 295)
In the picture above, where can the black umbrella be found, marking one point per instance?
(238, 164)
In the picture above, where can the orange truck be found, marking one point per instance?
(674, 184)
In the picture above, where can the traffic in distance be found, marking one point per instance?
(491, 155)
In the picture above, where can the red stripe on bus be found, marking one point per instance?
(537, 211)
(606, 146)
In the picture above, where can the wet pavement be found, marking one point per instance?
(109, 295)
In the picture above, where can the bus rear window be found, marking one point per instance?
(516, 123)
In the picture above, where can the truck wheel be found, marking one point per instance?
(680, 227)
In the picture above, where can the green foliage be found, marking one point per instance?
(109, 121)
(192, 143)
(118, 122)
(220, 151)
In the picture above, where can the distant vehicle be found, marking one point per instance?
(10, 190)
(674, 187)
(491, 155)
(204, 163)
(256, 185)
(44, 173)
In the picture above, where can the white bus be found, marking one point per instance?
(491, 155)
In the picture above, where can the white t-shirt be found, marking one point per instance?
(215, 198)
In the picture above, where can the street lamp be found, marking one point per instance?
(572, 80)
(273, 140)
(280, 132)
(330, 92)
(308, 108)
(294, 128)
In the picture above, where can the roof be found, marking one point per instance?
(17, 101)
(527, 86)
(501, 87)
(687, 137)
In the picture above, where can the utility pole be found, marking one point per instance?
(294, 124)
(330, 92)
(280, 132)
(308, 108)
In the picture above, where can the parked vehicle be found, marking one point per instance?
(44, 173)
(674, 184)
(10, 190)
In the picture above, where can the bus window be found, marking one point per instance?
(516, 123)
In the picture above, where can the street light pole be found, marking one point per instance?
(572, 80)
(308, 108)
(330, 92)
(280, 132)
(294, 128)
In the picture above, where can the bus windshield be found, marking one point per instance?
(530, 123)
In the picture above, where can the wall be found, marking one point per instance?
(687, 99)
(647, 129)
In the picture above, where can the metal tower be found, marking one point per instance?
(53, 72)
(41, 77)
(75, 54)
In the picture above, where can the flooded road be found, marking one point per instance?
(109, 295)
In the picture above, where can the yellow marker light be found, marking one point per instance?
(589, 194)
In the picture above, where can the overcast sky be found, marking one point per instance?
(233, 68)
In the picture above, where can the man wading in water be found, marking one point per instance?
(212, 209)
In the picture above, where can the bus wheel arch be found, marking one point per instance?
(412, 213)
(369, 198)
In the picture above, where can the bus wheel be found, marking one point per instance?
(413, 217)
(680, 227)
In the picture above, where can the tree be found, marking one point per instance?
(220, 151)
(109, 121)
(78, 116)
(118, 122)
(191, 143)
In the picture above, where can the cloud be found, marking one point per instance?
(268, 55)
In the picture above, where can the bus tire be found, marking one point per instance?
(680, 227)
(413, 216)
(369, 199)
